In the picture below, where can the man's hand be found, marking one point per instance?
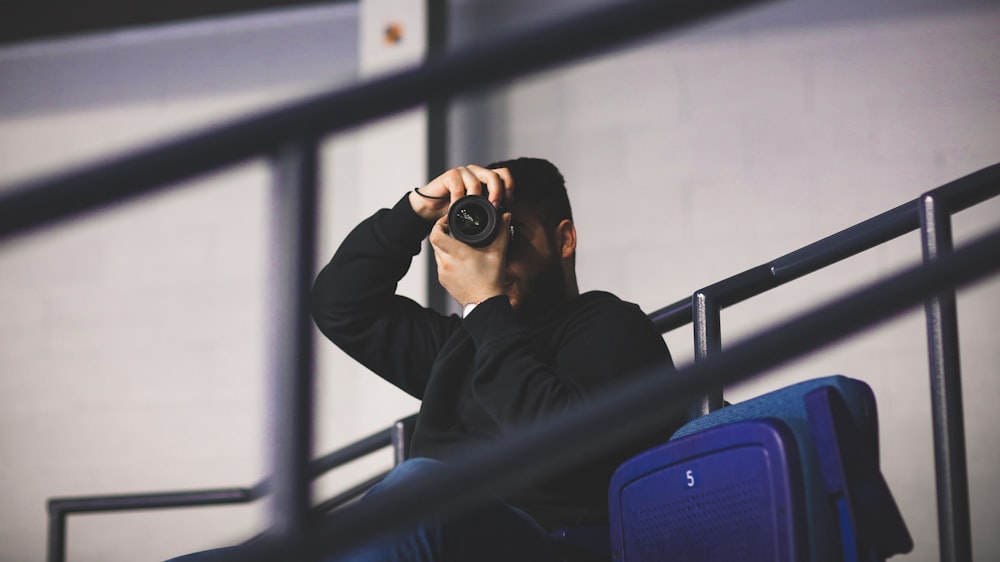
(470, 275)
(436, 197)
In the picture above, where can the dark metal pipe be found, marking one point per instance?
(349, 495)
(402, 433)
(846, 243)
(122, 502)
(672, 316)
(56, 546)
(635, 412)
(356, 450)
(801, 262)
(474, 66)
(969, 190)
(707, 343)
(60, 508)
(194, 498)
(742, 286)
(954, 526)
(958, 195)
(437, 141)
(291, 339)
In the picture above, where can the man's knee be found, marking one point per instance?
(406, 471)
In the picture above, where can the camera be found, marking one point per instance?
(474, 220)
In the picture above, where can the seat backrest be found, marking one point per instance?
(731, 492)
(870, 524)
(823, 538)
(788, 405)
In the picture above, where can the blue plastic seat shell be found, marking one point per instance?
(673, 501)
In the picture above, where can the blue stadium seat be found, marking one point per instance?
(731, 492)
(751, 482)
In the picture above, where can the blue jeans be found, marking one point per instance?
(494, 532)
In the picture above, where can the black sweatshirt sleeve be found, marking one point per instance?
(605, 341)
(354, 301)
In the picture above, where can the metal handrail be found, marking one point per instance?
(954, 196)
(629, 415)
(395, 436)
(958, 195)
(931, 213)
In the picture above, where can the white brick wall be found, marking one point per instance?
(131, 342)
(751, 137)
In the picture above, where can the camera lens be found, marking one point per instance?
(473, 220)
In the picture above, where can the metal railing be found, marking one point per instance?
(931, 213)
(631, 414)
(395, 436)
(289, 136)
(942, 336)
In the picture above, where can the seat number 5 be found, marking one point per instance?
(690, 478)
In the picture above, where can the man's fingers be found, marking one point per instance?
(492, 182)
(440, 237)
(472, 180)
(470, 184)
(496, 182)
(508, 182)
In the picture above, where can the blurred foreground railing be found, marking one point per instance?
(289, 137)
(631, 414)
(942, 329)
(476, 66)
(931, 213)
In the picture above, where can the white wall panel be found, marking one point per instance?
(131, 341)
(696, 156)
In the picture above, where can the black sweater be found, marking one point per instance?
(484, 376)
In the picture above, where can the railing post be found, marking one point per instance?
(293, 244)
(402, 432)
(946, 393)
(57, 535)
(707, 319)
(437, 142)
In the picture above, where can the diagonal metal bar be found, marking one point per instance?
(485, 63)
(633, 413)
(957, 195)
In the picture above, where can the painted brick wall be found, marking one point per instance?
(695, 156)
(131, 341)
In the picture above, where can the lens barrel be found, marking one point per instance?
(474, 220)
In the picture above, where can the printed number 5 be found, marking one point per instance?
(690, 478)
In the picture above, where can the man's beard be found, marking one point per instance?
(545, 291)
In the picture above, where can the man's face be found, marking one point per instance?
(534, 276)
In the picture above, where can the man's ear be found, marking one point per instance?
(566, 237)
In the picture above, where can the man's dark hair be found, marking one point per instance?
(539, 185)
